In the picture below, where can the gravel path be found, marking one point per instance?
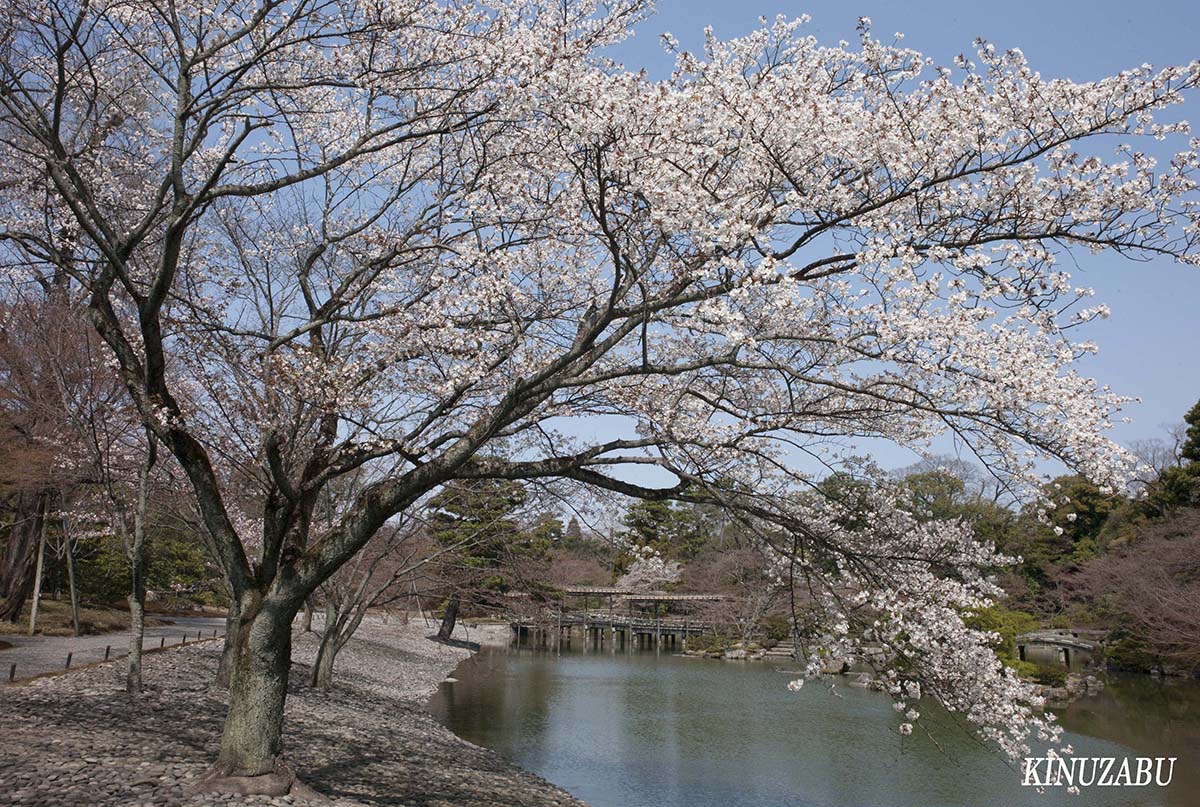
(36, 655)
(75, 739)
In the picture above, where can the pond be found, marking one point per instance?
(640, 729)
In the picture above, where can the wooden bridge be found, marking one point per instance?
(1065, 641)
(614, 627)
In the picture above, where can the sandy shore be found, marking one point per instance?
(77, 739)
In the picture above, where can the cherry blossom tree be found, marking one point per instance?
(420, 240)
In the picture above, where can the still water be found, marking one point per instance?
(646, 730)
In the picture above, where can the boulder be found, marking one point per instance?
(860, 679)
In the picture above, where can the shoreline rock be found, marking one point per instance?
(77, 740)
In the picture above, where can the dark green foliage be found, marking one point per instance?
(174, 561)
(1125, 652)
(1189, 452)
(710, 643)
(478, 519)
(1049, 676)
(1008, 625)
(1179, 485)
(940, 495)
(680, 532)
(776, 628)
(936, 494)
(547, 531)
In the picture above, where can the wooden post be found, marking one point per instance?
(12, 671)
(162, 642)
(107, 650)
(612, 626)
(184, 640)
(68, 661)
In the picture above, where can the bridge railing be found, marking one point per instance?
(618, 620)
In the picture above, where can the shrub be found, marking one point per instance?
(1008, 625)
(1049, 676)
(710, 643)
(776, 629)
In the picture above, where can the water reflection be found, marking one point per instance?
(644, 729)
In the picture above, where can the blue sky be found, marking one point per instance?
(1149, 346)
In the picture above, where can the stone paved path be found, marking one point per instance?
(36, 655)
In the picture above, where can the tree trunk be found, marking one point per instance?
(137, 623)
(322, 671)
(37, 574)
(70, 550)
(37, 577)
(229, 649)
(16, 571)
(251, 757)
(449, 618)
(306, 623)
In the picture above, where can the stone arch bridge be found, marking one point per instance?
(1065, 641)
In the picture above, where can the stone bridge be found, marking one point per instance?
(1064, 640)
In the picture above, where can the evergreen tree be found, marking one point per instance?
(477, 518)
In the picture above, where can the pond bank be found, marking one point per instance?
(77, 739)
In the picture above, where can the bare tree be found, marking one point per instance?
(1152, 587)
(751, 588)
(382, 573)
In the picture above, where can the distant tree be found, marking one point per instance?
(574, 533)
(647, 570)
(479, 520)
(936, 494)
(385, 571)
(33, 325)
(744, 576)
(1190, 450)
(676, 531)
(547, 530)
(953, 491)
(1178, 484)
(569, 566)
(1149, 589)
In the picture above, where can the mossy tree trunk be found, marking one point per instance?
(229, 648)
(251, 755)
